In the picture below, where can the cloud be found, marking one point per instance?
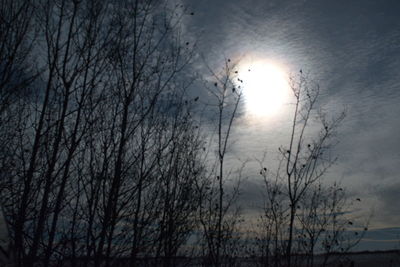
(388, 197)
(353, 51)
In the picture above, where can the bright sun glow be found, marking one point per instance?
(265, 88)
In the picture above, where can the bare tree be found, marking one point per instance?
(16, 38)
(303, 163)
(16, 75)
(87, 148)
(306, 160)
(217, 215)
(179, 168)
(272, 224)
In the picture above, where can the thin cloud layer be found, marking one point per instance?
(353, 51)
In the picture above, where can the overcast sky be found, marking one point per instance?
(352, 48)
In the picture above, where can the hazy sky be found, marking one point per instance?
(352, 48)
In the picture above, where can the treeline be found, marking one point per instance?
(104, 159)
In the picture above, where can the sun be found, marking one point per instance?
(265, 87)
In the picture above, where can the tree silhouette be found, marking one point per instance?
(217, 217)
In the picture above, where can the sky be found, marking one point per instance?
(352, 49)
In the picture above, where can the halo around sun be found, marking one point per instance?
(265, 87)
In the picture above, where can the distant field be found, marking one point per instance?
(354, 259)
(370, 259)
